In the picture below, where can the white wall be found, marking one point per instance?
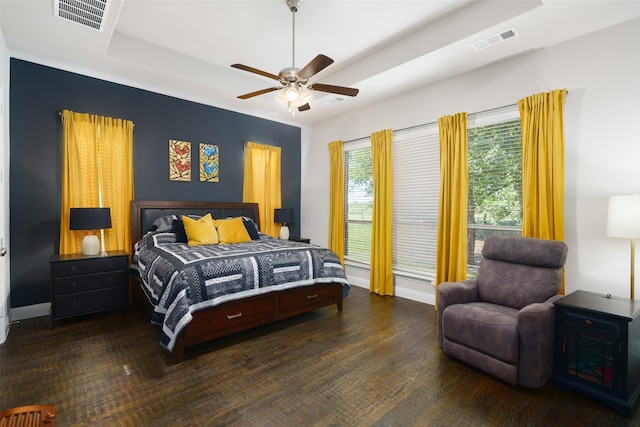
(4, 188)
(602, 144)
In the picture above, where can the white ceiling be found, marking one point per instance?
(184, 48)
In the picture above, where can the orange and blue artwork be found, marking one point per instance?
(179, 160)
(209, 163)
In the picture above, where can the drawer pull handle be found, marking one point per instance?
(312, 296)
(588, 322)
(234, 316)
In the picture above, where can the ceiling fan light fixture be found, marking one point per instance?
(302, 97)
(291, 93)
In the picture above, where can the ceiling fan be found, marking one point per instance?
(295, 79)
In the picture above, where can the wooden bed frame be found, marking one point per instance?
(233, 316)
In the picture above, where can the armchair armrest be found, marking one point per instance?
(536, 327)
(450, 293)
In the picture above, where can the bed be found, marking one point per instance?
(199, 293)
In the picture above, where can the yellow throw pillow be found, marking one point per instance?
(232, 230)
(201, 231)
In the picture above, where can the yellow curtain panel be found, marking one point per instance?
(336, 199)
(97, 171)
(451, 252)
(381, 273)
(543, 165)
(262, 183)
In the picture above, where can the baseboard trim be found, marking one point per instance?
(414, 295)
(405, 293)
(30, 311)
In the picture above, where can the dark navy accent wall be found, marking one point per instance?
(37, 95)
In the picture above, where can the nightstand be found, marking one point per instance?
(89, 284)
(300, 239)
(597, 346)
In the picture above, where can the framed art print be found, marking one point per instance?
(179, 160)
(209, 163)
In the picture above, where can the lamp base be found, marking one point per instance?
(90, 245)
(284, 232)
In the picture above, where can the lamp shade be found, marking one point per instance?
(89, 218)
(624, 216)
(284, 216)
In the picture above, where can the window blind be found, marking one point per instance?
(416, 189)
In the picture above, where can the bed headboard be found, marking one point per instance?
(144, 212)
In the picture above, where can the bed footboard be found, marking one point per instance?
(236, 316)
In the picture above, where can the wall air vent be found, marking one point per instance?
(90, 13)
(331, 100)
(495, 39)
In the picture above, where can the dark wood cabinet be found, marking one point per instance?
(89, 284)
(597, 340)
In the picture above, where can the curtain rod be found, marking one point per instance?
(433, 123)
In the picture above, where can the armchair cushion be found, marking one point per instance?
(471, 324)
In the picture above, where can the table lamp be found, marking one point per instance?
(283, 216)
(90, 219)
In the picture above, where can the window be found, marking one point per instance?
(416, 176)
(495, 179)
(358, 200)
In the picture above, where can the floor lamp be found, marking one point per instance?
(624, 221)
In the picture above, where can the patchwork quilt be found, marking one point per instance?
(179, 279)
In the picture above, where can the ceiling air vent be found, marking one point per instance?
(495, 39)
(90, 13)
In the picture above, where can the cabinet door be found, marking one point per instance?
(591, 352)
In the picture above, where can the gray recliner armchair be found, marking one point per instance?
(503, 321)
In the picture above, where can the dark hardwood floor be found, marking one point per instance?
(375, 364)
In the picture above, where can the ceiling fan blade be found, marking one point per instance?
(256, 71)
(258, 92)
(316, 65)
(304, 107)
(340, 90)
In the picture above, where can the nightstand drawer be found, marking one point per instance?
(87, 266)
(87, 282)
(592, 321)
(87, 302)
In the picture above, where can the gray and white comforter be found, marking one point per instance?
(179, 279)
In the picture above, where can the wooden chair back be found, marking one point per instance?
(29, 416)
